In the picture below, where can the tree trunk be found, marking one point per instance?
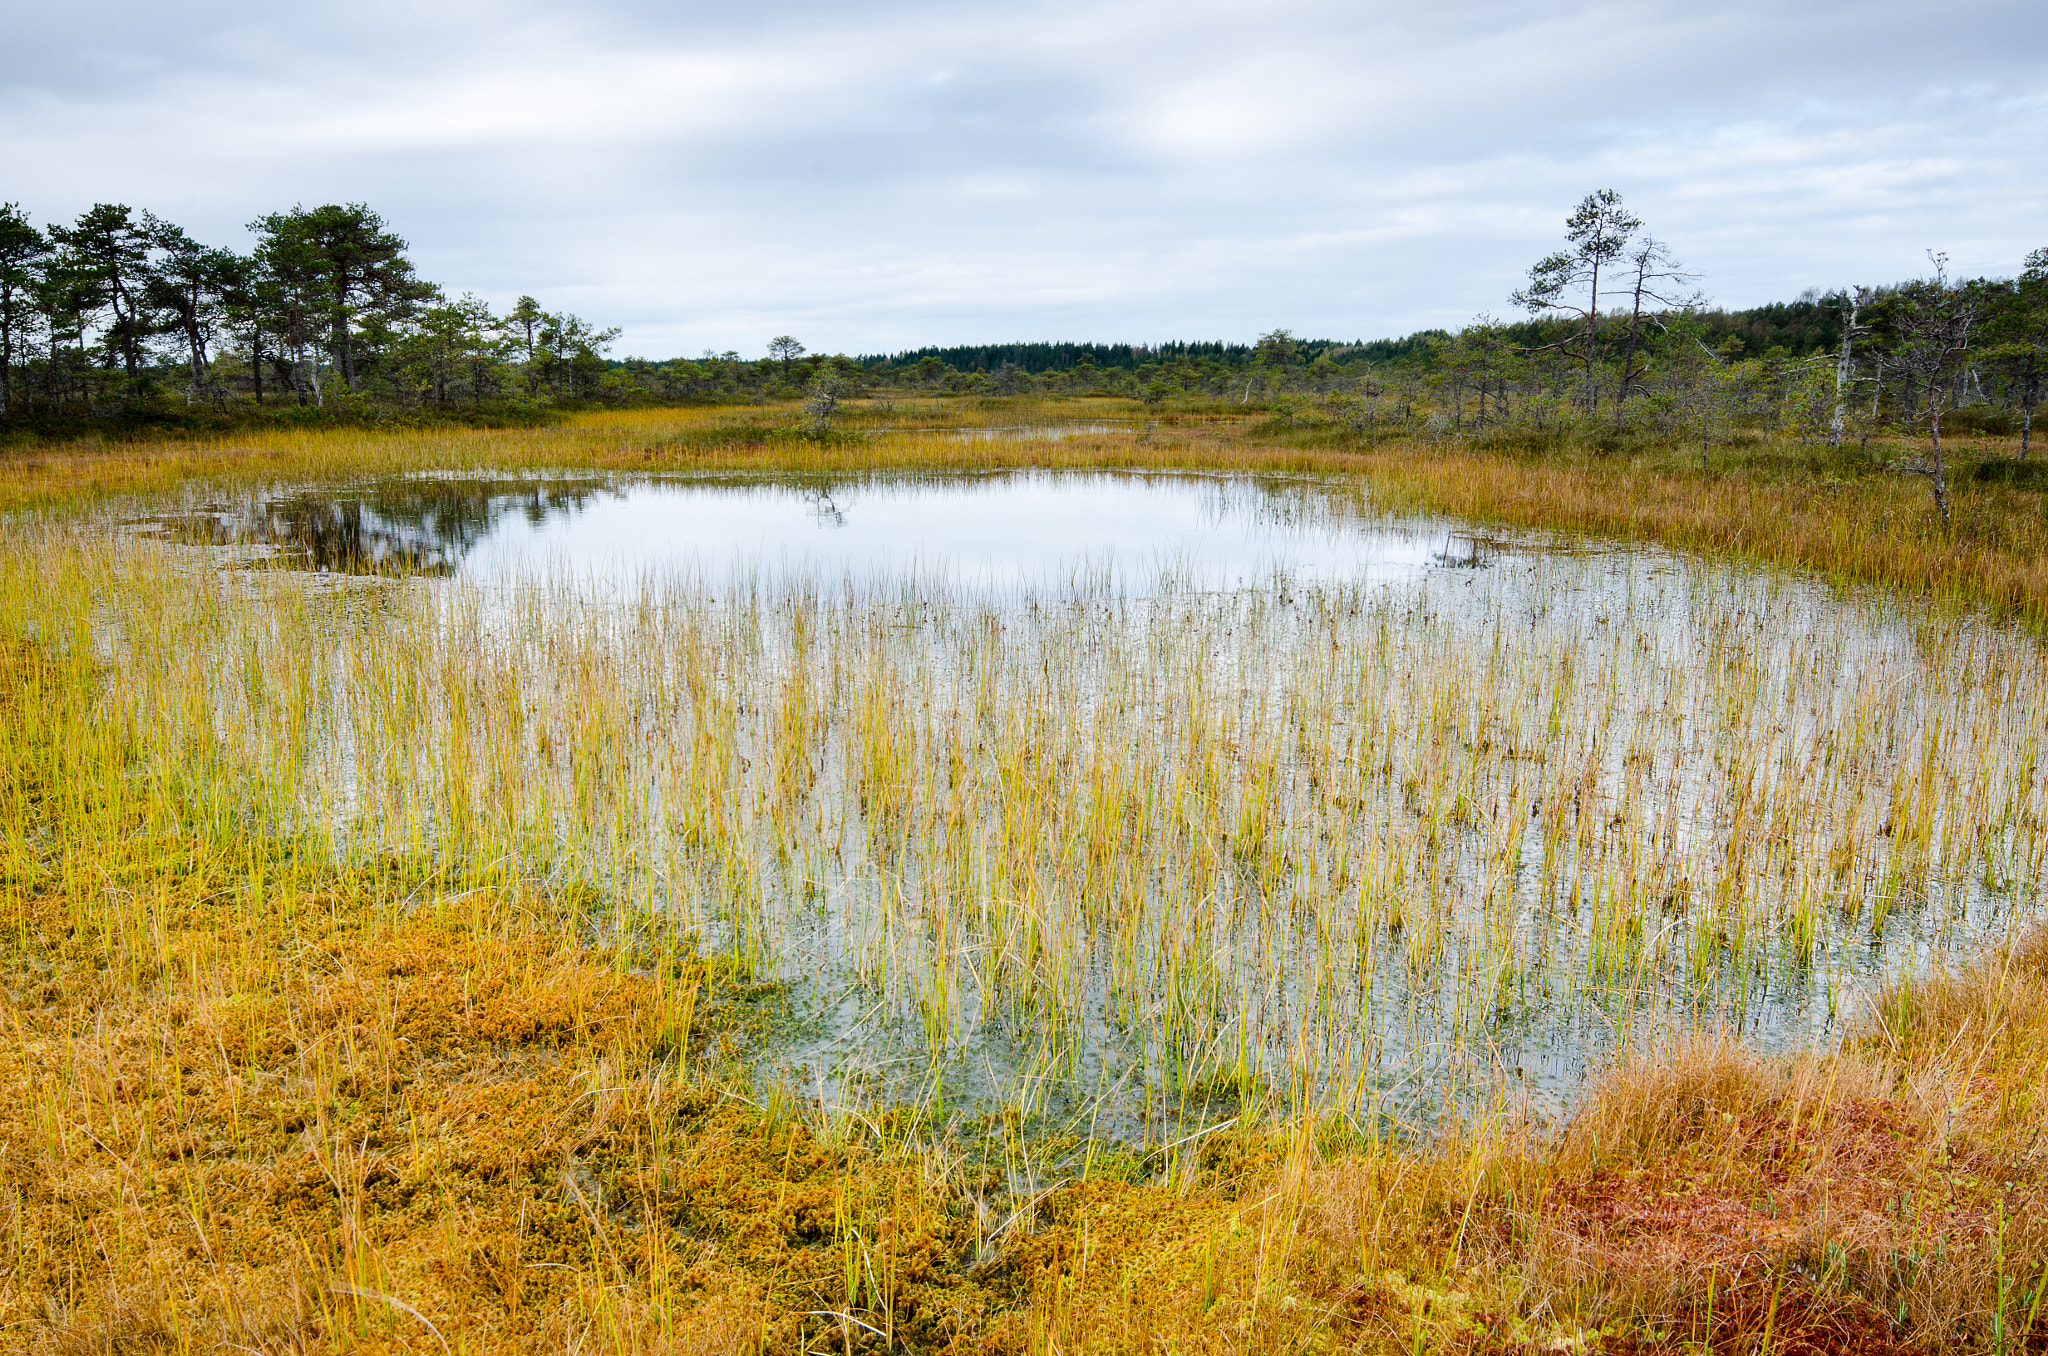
(2030, 393)
(1592, 333)
(1844, 373)
(1628, 363)
(1628, 360)
(197, 346)
(1937, 471)
(130, 359)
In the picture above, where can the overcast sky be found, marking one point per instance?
(896, 173)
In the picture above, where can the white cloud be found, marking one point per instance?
(912, 172)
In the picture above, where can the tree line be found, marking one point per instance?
(1616, 342)
(122, 309)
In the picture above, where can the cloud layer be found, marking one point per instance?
(903, 173)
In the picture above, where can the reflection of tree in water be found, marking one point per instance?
(1288, 504)
(398, 527)
(823, 508)
(429, 527)
(1468, 552)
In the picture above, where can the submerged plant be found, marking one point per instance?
(1105, 963)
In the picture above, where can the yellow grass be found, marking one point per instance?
(380, 964)
(1841, 518)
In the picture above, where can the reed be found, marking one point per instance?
(393, 962)
(1774, 504)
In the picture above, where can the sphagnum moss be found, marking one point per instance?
(322, 1041)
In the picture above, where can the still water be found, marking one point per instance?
(985, 530)
(1131, 789)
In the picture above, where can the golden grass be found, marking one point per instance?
(395, 1122)
(438, 1093)
(1874, 530)
(1840, 518)
(1430, 818)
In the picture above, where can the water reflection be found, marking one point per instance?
(1529, 807)
(823, 509)
(1467, 551)
(410, 526)
(994, 529)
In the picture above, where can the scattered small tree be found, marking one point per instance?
(1599, 231)
(785, 349)
(22, 250)
(1854, 302)
(190, 285)
(821, 400)
(454, 343)
(523, 321)
(357, 271)
(107, 259)
(1277, 350)
(2017, 331)
(571, 353)
(1652, 276)
(1934, 323)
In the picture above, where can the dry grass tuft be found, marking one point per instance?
(254, 1100)
(1777, 503)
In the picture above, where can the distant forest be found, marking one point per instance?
(1808, 325)
(121, 319)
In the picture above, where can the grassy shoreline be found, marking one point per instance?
(259, 1101)
(1842, 514)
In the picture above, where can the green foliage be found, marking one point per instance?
(122, 324)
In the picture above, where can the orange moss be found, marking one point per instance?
(481, 1125)
(247, 1103)
(453, 1121)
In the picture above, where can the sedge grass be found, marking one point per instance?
(1841, 515)
(355, 1000)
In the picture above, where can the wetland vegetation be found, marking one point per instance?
(1564, 898)
(1525, 839)
(120, 324)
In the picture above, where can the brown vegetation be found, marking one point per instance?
(252, 1102)
(1767, 501)
(404, 1115)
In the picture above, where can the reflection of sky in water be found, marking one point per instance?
(995, 530)
(1638, 621)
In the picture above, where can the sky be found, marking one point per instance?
(878, 177)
